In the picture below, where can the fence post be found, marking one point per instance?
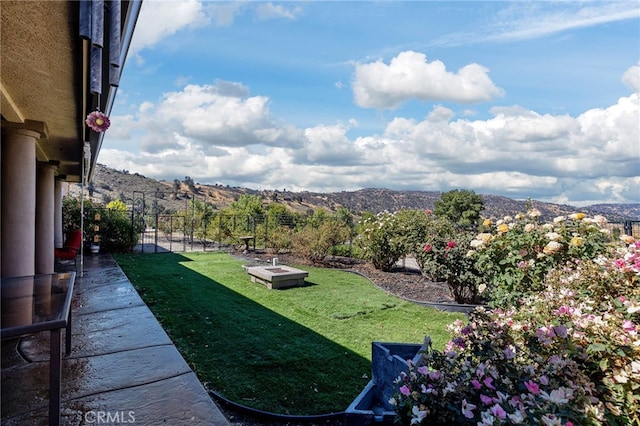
(133, 246)
(266, 231)
(204, 238)
(171, 232)
(155, 202)
(254, 233)
(219, 231)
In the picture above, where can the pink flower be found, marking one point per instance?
(628, 326)
(405, 390)
(486, 400)
(476, 384)
(427, 247)
(488, 382)
(98, 121)
(423, 370)
(451, 244)
(564, 310)
(498, 411)
(532, 387)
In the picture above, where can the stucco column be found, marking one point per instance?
(58, 238)
(45, 204)
(19, 197)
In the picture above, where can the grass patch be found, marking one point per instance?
(300, 351)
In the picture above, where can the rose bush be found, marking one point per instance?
(382, 239)
(516, 253)
(567, 355)
(444, 256)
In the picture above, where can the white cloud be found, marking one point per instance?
(121, 126)
(631, 78)
(600, 142)
(410, 76)
(540, 20)
(210, 117)
(532, 20)
(220, 133)
(267, 11)
(162, 18)
(326, 145)
(182, 80)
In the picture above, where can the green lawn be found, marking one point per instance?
(304, 350)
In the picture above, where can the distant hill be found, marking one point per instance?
(109, 184)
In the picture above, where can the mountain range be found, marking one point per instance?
(109, 184)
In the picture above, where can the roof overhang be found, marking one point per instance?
(44, 77)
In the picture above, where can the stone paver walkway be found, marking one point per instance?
(123, 367)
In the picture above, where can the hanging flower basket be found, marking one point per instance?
(98, 121)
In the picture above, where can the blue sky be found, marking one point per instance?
(523, 99)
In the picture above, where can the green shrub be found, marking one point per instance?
(346, 250)
(315, 241)
(112, 226)
(279, 238)
(462, 207)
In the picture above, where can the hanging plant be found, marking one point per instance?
(98, 121)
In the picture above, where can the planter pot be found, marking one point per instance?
(388, 360)
(95, 249)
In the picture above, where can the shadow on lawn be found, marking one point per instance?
(241, 349)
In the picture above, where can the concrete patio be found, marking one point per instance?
(122, 368)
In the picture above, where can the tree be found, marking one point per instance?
(462, 207)
(249, 205)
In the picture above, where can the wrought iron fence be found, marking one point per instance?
(199, 227)
(180, 232)
(184, 231)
